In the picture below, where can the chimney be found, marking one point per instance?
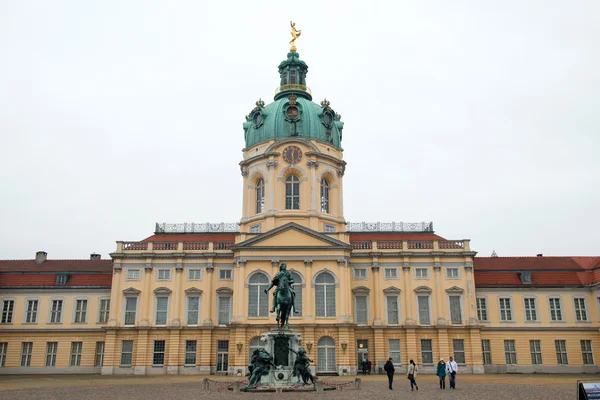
(40, 257)
(540, 255)
(95, 256)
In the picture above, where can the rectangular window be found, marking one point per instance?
(56, 311)
(391, 273)
(393, 310)
(455, 311)
(360, 273)
(510, 352)
(256, 228)
(426, 351)
(99, 359)
(158, 359)
(459, 351)
(76, 353)
(8, 308)
(51, 348)
(530, 309)
(561, 352)
(586, 352)
(126, 353)
(133, 275)
(329, 228)
(3, 347)
(193, 310)
(580, 309)
(535, 348)
(421, 273)
(194, 274)
(61, 279)
(505, 309)
(361, 310)
(482, 313)
(32, 310)
(452, 273)
(486, 349)
(190, 353)
(164, 274)
(130, 310)
(26, 349)
(555, 309)
(104, 311)
(80, 311)
(224, 308)
(424, 313)
(394, 345)
(162, 308)
(224, 274)
(222, 355)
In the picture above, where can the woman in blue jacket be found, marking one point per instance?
(441, 372)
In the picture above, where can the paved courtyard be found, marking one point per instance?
(373, 387)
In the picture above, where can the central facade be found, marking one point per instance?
(191, 298)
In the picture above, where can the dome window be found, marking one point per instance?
(292, 112)
(257, 119)
(292, 77)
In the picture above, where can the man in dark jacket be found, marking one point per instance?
(389, 369)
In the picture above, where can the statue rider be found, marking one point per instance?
(275, 282)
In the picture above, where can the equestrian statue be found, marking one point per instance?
(284, 297)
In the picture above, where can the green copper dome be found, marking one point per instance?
(293, 114)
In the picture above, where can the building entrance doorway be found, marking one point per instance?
(362, 356)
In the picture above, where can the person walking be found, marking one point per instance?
(452, 369)
(364, 367)
(412, 375)
(441, 373)
(389, 369)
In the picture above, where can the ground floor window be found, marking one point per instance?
(3, 347)
(535, 347)
(426, 351)
(394, 345)
(254, 344)
(158, 358)
(190, 353)
(26, 349)
(51, 348)
(510, 352)
(586, 352)
(326, 355)
(76, 353)
(99, 354)
(487, 352)
(222, 355)
(126, 353)
(561, 352)
(459, 351)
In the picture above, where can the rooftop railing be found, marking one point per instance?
(410, 245)
(389, 227)
(285, 88)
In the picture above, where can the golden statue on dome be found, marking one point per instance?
(295, 35)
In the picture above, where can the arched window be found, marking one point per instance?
(326, 355)
(258, 301)
(260, 196)
(298, 290)
(324, 196)
(254, 344)
(325, 295)
(293, 77)
(292, 193)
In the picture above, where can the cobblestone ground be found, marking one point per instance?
(149, 388)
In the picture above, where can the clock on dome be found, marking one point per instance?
(292, 154)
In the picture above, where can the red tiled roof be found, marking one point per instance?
(36, 279)
(491, 279)
(56, 266)
(531, 263)
(192, 237)
(394, 236)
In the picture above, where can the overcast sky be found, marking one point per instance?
(481, 116)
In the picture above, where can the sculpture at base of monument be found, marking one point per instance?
(260, 365)
(302, 367)
(284, 297)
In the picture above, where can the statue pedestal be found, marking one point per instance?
(276, 343)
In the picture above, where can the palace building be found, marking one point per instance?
(190, 298)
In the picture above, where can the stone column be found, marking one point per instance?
(470, 299)
(205, 351)
(140, 355)
(343, 288)
(110, 353)
(340, 175)
(411, 344)
(315, 187)
(378, 347)
(443, 345)
(239, 293)
(116, 297)
(476, 359)
(207, 299)
(439, 294)
(408, 295)
(270, 200)
(147, 297)
(245, 194)
(174, 353)
(176, 307)
(308, 294)
(378, 294)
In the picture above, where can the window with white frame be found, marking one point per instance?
(56, 307)
(580, 309)
(486, 350)
(194, 274)
(530, 309)
(424, 309)
(80, 311)
(32, 311)
(393, 309)
(455, 309)
(421, 273)
(163, 274)
(326, 355)
(325, 295)
(3, 347)
(298, 290)
(224, 309)
(535, 348)
(222, 355)
(158, 357)
(162, 309)
(510, 352)
(361, 310)
(258, 300)
(255, 228)
(61, 279)
(99, 359)
(190, 353)
(505, 309)
(130, 310)
(292, 193)
(193, 310)
(126, 353)
(360, 273)
(51, 348)
(8, 309)
(133, 274)
(561, 352)
(482, 311)
(260, 196)
(225, 274)
(452, 273)
(586, 352)
(329, 228)
(26, 350)
(104, 311)
(394, 352)
(458, 346)
(76, 350)
(555, 309)
(324, 196)
(426, 351)
(390, 273)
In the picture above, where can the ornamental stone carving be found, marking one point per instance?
(210, 268)
(308, 263)
(469, 266)
(272, 164)
(275, 263)
(148, 267)
(312, 164)
(117, 267)
(437, 266)
(179, 267)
